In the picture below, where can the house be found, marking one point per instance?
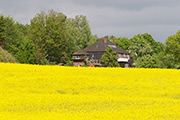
(94, 52)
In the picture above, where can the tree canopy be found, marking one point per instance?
(47, 32)
(173, 47)
(52, 38)
(109, 58)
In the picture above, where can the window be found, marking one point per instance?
(119, 55)
(127, 56)
(123, 55)
(93, 55)
(77, 57)
(97, 46)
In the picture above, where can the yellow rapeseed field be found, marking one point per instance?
(31, 92)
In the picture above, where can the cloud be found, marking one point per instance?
(160, 21)
(107, 17)
(128, 4)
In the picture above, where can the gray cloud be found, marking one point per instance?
(128, 4)
(107, 17)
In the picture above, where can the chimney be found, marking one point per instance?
(114, 41)
(105, 40)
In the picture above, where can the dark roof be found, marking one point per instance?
(80, 52)
(101, 46)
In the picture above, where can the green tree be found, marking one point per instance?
(10, 37)
(173, 47)
(26, 52)
(156, 46)
(147, 61)
(2, 30)
(109, 58)
(123, 43)
(166, 60)
(85, 60)
(144, 44)
(13, 36)
(79, 33)
(48, 33)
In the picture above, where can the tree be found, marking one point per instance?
(142, 45)
(79, 33)
(26, 52)
(2, 30)
(12, 37)
(85, 60)
(109, 58)
(166, 60)
(147, 61)
(48, 34)
(156, 46)
(123, 43)
(173, 46)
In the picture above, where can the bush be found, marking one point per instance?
(6, 57)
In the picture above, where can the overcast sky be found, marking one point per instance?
(160, 18)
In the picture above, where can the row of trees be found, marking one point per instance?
(148, 53)
(52, 38)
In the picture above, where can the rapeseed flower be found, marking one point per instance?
(33, 92)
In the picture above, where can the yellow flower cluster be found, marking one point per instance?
(31, 92)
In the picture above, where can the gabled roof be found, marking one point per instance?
(101, 45)
(80, 52)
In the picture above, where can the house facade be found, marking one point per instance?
(93, 54)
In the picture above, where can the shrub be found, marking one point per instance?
(6, 57)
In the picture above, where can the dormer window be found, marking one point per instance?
(97, 46)
(113, 46)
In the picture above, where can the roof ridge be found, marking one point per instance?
(101, 45)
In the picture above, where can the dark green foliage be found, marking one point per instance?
(166, 60)
(2, 30)
(14, 40)
(79, 33)
(109, 58)
(52, 38)
(48, 33)
(123, 43)
(85, 60)
(69, 63)
(6, 57)
(25, 53)
(173, 46)
(147, 61)
(143, 46)
(12, 36)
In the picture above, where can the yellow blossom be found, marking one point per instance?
(32, 92)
